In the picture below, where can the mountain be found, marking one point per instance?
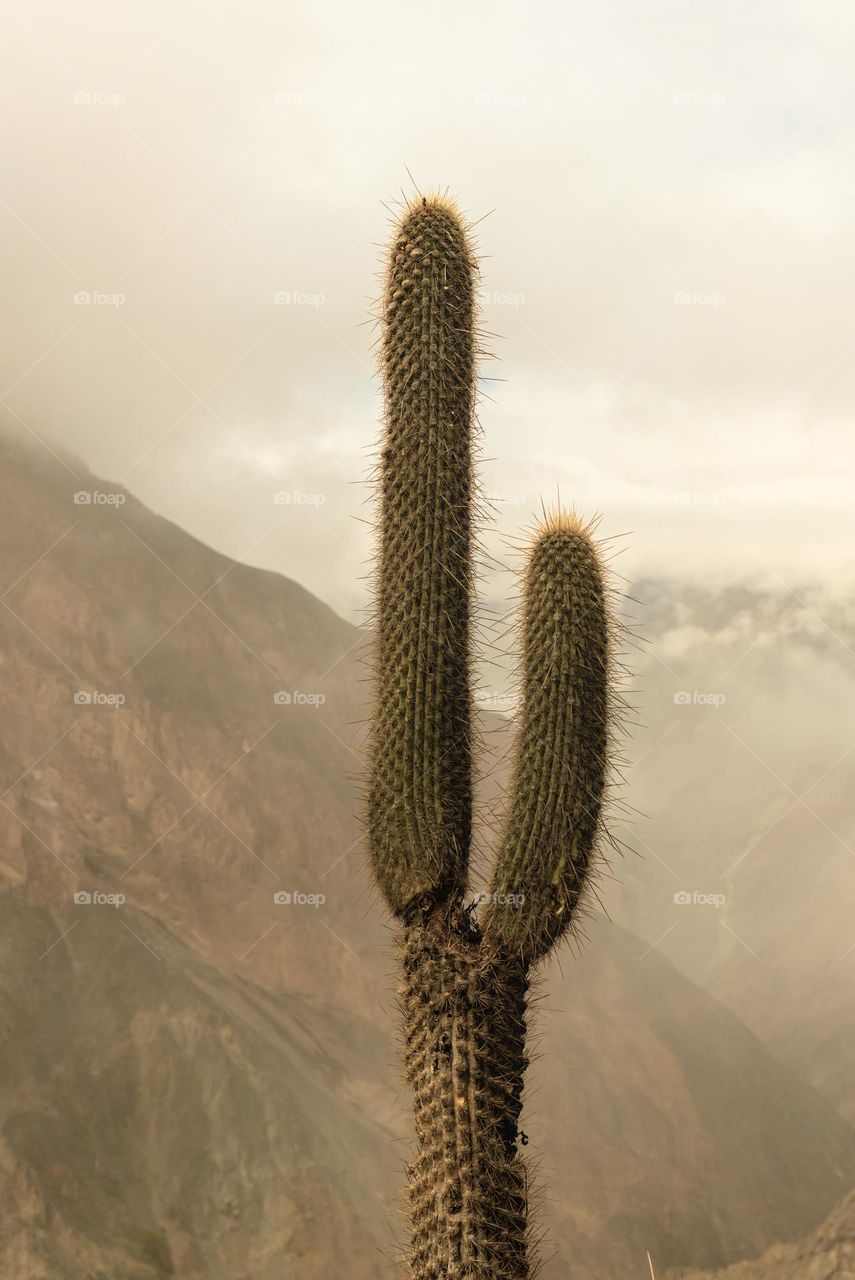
(652, 1079)
(163, 1119)
(742, 784)
(827, 1254)
(202, 1079)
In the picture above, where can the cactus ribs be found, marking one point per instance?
(465, 979)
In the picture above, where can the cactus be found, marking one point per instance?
(465, 978)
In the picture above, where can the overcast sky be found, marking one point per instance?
(669, 262)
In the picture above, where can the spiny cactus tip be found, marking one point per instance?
(432, 203)
(561, 519)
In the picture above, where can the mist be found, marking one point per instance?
(193, 200)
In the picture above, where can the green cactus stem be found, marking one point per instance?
(420, 788)
(465, 981)
(560, 769)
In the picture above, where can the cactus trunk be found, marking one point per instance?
(465, 979)
(464, 1054)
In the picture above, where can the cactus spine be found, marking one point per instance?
(465, 980)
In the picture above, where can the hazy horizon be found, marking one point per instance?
(666, 259)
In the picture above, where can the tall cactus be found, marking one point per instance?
(464, 979)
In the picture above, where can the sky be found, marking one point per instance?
(194, 199)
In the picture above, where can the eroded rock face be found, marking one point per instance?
(827, 1254)
(164, 1119)
(201, 1081)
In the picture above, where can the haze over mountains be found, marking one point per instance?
(827, 1254)
(202, 1081)
(743, 772)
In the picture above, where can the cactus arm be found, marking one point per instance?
(560, 766)
(419, 799)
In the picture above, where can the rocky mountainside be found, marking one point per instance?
(163, 1119)
(827, 1254)
(197, 986)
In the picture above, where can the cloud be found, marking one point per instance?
(667, 265)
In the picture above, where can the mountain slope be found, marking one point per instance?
(161, 1119)
(748, 704)
(668, 1080)
(827, 1254)
(242, 1049)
